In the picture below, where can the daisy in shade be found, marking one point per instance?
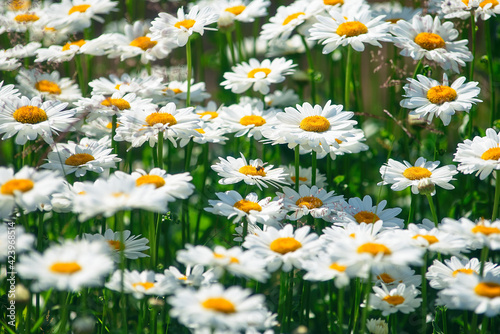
(22, 21)
(132, 245)
(463, 9)
(314, 201)
(363, 211)
(427, 37)
(140, 284)
(208, 133)
(29, 119)
(233, 170)
(260, 75)
(8, 63)
(283, 248)
(324, 267)
(8, 92)
(429, 98)
(395, 12)
(232, 205)
(401, 299)
(180, 28)
(305, 176)
(434, 239)
(484, 233)
(480, 155)
(78, 158)
(424, 175)
(67, 267)
(377, 326)
(49, 85)
(353, 25)
(351, 145)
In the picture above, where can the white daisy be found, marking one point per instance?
(7, 63)
(377, 326)
(487, 9)
(401, 299)
(142, 283)
(176, 91)
(58, 54)
(78, 13)
(23, 51)
(242, 10)
(391, 276)
(429, 98)
(305, 176)
(350, 145)
(434, 239)
(147, 87)
(463, 9)
(209, 132)
(393, 12)
(195, 276)
(8, 92)
(484, 233)
(324, 267)
(132, 245)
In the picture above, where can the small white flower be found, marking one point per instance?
(377, 326)
(132, 245)
(142, 283)
(305, 176)
(434, 239)
(324, 267)
(484, 233)
(401, 299)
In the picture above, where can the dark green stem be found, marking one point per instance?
(311, 70)
(433, 209)
(489, 53)
(189, 72)
(297, 167)
(347, 84)
(496, 202)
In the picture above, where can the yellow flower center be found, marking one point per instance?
(49, 29)
(337, 267)
(143, 42)
(22, 185)
(116, 245)
(486, 230)
(23, 18)
(110, 125)
(285, 245)
(366, 217)
(333, 2)
(247, 206)
(119, 103)
(200, 130)
(185, 23)
(67, 45)
(301, 178)
(292, 17)
(265, 70)
(488, 289)
(30, 115)
(219, 304)
(67, 268)
(416, 173)
(236, 10)
(48, 87)
(253, 119)
(161, 117)
(232, 259)
(394, 300)
(79, 159)
(430, 41)
(16, 5)
(315, 124)
(491, 154)
(309, 202)
(430, 238)
(494, 3)
(441, 94)
(213, 114)
(393, 21)
(386, 278)
(157, 180)
(374, 249)
(183, 278)
(145, 285)
(351, 29)
(253, 171)
(466, 271)
(78, 8)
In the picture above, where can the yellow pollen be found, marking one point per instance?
(145, 285)
(430, 41)
(67, 45)
(185, 23)
(292, 17)
(116, 245)
(466, 271)
(485, 230)
(386, 278)
(247, 206)
(333, 2)
(416, 173)
(491, 154)
(315, 124)
(49, 29)
(253, 171)
(23, 18)
(253, 119)
(78, 159)
(157, 180)
(78, 8)
(200, 130)
(352, 235)
(351, 29)
(494, 3)
(143, 42)
(175, 90)
(265, 70)
(337, 267)
(301, 178)
(374, 249)
(183, 278)
(117, 87)
(441, 94)
(213, 114)
(394, 300)
(219, 256)
(338, 141)
(285, 245)
(488, 289)
(119, 194)
(82, 193)
(16, 5)
(119, 103)
(232, 259)
(48, 87)
(30, 115)
(309, 202)
(219, 304)
(110, 125)
(430, 238)
(159, 117)
(393, 21)
(21, 185)
(68, 268)
(366, 217)
(236, 10)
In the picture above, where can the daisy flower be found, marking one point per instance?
(208, 133)
(67, 267)
(14, 240)
(305, 176)
(434, 239)
(149, 86)
(393, 12)
(231, 204)
(30, 118)
(8, 63)
(132, 245)
(377, 326)
(234, 170)
(324, 267)
(463, 9)
(425, 36)
(487, 9)
(484, 233)
(391, 276)
(176, 91)
(481, 154)
(8, 92)
(283, 248)
(401, 299)
(78, 158)
(195, 276)
(59, 54)
(281, 98)
(180, 28)
(79, 13)
(242, 10)
(140, 284)
(428, 98)
(405, 175)
(49, 85)
(22, 21)
(23, 51)
(257, 74)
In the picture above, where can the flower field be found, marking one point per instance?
(249, 166)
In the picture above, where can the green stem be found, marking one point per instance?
(355, 314)
(433, 209)
(282, 300)
(297, 167)
(496, 202)
(152, 239)
(189, 72)
(79, 70)
(412, 209)
(230, 42)
(314, 163)
(239, 39)
(484, 324)
(417, 68)
(489, 53)
(364, 316)
(347, 85)
(445, 320)
(39, 242)
(64, 311)
(311, 70)
(340, 310)
(289, 301)
(484, 258)
(473, 323)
